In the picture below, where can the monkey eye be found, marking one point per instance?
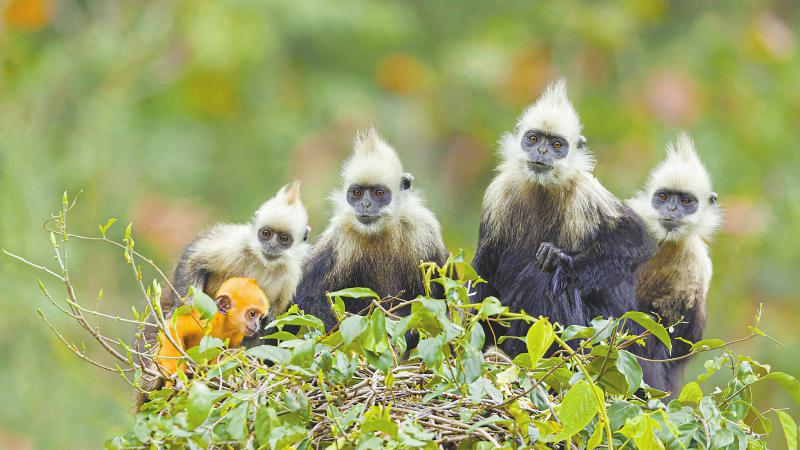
(252, 314)
(662, 196)
(532, 139)
(379, 193)
(284, 238)
(686, 200)
(557, 144)
(266, 233)
(356, 193)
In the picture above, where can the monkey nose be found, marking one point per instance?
(365, 204)
(542, 150)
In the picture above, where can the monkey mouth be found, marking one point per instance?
(271, 256)
(539, 167)
(670, 224)
(251, 331)
(367, 219)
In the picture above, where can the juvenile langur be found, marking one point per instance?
(379, 233)
(552, 240)
(681, 213)
(241, 304)
(270, 249)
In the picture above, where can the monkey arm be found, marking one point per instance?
(612, 256)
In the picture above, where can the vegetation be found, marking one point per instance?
(176, 114)
(358, 386)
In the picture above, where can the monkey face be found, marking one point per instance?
(274, 242)
(675, 209)
(243, 304)
(543, 150)
(369, 202)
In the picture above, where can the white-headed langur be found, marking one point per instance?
(379, 233)
(681, 213)
(552, 240)
(270, 249)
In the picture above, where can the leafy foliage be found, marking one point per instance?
(352, 388)
(357, 386)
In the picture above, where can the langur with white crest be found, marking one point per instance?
(680, 210)
(378, 235)
(552, 240)
(270, 249)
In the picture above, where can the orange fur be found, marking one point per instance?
(245, 298)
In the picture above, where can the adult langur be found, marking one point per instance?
(552, 240)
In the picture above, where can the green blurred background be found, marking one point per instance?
(176, 114)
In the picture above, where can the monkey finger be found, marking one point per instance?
(550, 261)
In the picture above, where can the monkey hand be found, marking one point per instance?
(549, 258)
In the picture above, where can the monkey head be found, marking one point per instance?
(240, 306)
(280, 226)
(678, 200)
(374, 187)
(546, 146)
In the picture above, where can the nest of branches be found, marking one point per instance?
(360, 386)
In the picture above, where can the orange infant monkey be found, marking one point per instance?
(240, 306)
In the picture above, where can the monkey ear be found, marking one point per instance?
(581, 141)
(224, 304)
(305, 234)
(405, 181)
(713, 198)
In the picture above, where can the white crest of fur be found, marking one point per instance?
(681, 171)
(552, 113)
(373, 162)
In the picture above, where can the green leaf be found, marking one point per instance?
(491, 306)
(597, 436)
(576, 410)
(707, 344)
(379, 419)
(789, 429)
(305, 320)
(602, 329)
(357, 292)
(352, 327)
(509, 375)
(477, 336)
(642, 430)
(431, 350)
(203, 303)
(270, 353)
(650, 325)
(198, 405)
(237, 421)
(787, 382)
(538, 340)
(620, 411)
(104, 228)
(691, 393)
(472, 362)
(628, 366)
(577, 332)
(262, 425)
